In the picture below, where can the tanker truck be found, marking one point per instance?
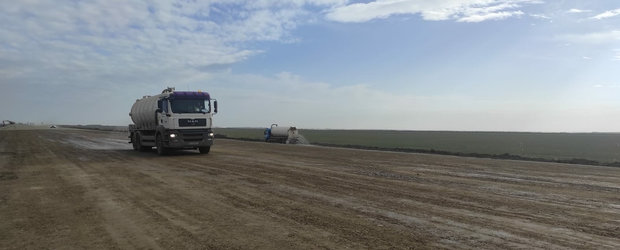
(280, 134)
(173, 120)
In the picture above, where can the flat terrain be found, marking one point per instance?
(599, 147)
(64, 188)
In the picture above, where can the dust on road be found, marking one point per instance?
(87, 189)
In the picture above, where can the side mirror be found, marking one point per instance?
(215, 106)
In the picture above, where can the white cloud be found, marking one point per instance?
(607, 14)
(461, 10)
(85, 56)
(593, 38)
(490, 16)
(575, 11)
(540, 16)
(137, 42)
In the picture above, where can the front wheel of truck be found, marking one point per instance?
(161, 150)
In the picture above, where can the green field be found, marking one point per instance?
(599, 147)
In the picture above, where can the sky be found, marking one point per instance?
(465, 65)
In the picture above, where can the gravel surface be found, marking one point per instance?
(66, 188)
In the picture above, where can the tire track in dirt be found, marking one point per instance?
(257, 195)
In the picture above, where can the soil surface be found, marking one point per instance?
(65, 188)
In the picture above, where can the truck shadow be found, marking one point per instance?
(153, 153)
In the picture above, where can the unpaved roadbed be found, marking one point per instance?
(87, 189)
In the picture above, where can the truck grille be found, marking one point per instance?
(192, 122)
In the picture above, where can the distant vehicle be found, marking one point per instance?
(53, 126)
(280, 134)
(6, 123)
(173, 120)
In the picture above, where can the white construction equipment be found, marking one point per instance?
(281, 134)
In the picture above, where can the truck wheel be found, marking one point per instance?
(160, 146)
(134, 141)
(204, 150)
(137, 145)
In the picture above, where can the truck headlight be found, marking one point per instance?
(173, 135)
(211, 134)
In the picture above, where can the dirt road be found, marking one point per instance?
(86, 189)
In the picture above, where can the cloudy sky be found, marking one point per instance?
(501, 65)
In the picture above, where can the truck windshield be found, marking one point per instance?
(190, 106)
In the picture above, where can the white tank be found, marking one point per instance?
(283, 131)
(143, 111)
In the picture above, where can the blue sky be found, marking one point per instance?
(499, 65)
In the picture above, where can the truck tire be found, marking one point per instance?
(204, 150)
(137, 145)
(161, 150)
(134, 142)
